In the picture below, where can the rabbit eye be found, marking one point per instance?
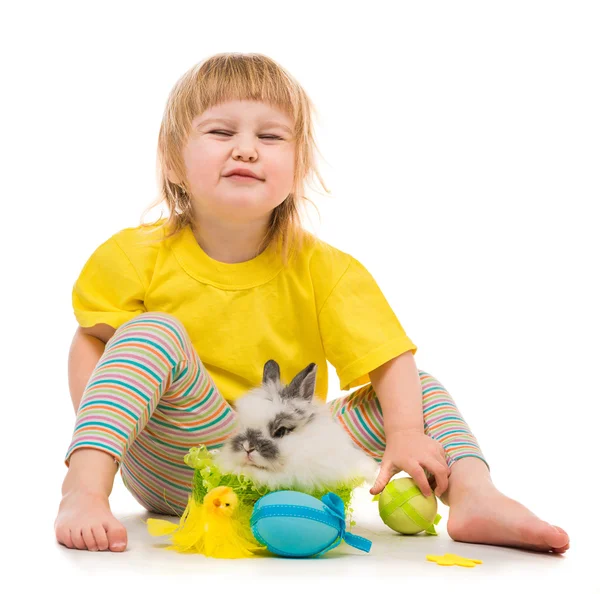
(281, 432)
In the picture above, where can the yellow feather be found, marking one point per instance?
(160, 527)
(213, 528)
(191, 527)
(223, 540)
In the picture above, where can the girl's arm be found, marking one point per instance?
(398, 388)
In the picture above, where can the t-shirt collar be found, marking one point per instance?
(242, 275)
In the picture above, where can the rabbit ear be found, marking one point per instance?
(303, 385)
(271, 371)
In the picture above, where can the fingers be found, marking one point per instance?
(379, 485)
(418, 474)
(433, 461)
(441, 473)
(440, 479)
(385, 474)
(439, 470)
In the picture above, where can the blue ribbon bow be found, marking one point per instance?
(335, 506)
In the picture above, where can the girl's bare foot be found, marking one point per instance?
(85, 521)
(479, 513)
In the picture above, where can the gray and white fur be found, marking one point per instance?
(286, 438)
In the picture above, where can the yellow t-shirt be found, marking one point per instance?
(325, 307)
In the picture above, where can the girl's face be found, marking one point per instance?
(250, 135)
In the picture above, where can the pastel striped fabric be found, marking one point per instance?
(361, 416)
(150, 399)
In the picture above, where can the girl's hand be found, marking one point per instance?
(412, 451)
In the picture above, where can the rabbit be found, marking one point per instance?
(285, 438)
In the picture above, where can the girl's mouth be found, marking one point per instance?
(243, 178)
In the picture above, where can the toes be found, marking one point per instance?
(544, 537)
(557, 538)
(100, 536)
(95, 538)
(88, 538)
(63, 536)
(117, 536)
(77, 539)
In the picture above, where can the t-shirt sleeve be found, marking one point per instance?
(359, 329)
(109, 289)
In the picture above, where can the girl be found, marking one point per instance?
(177, 318)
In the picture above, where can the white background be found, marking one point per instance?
(461, 145)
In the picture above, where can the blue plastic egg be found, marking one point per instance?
(294, 524)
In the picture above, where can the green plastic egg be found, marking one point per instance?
(405, 509)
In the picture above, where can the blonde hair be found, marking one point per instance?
(227, 77)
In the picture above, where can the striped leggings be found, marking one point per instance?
(150, 399)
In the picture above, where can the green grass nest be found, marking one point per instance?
(207, 476)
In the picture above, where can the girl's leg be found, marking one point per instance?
(149, 401)
(479, 513)
(361, 416)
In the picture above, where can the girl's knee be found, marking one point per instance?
(157, 317)
(426, 377)
(158, 321)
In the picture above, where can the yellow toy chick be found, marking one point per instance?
(450, 559)
(213, 528)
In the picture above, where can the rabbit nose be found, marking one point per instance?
(248, 448)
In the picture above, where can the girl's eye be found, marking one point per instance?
(281, 432)
(221, 132)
